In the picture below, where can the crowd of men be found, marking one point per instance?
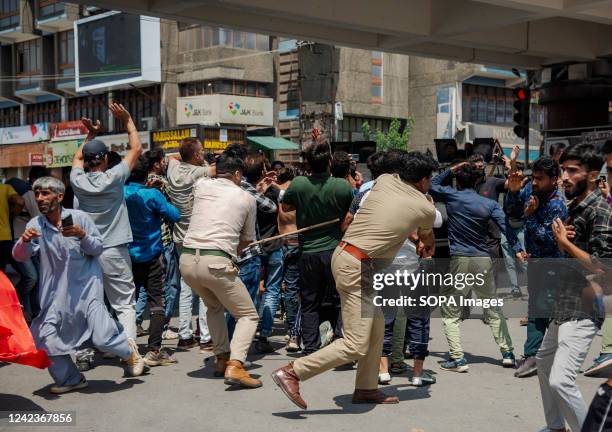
(219, 232)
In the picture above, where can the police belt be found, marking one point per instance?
(209, 252)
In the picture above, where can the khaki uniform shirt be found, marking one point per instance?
(223, 215)
(393, 210)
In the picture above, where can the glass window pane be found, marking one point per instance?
(249, 41)
(225, 37)
(377, 55)
(377, 71)
(238, 39)
(263, 42)
(251, 89)
(376, 91)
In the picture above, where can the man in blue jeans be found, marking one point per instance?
(266, 194)
(250, 270)
(291, 256)
(157, 165)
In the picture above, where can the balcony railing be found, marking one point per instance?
(50, 8)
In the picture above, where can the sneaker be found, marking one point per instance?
(600, 365)
(262, 346)
(526, 367)
(524, 321)
(327, 333)
(169, 335)
(140, 331)
(425, 379)
(455, 365)
(508, 360)
(135, 363)
(68, 388)
(384, 378)
(293, 344)
(84, 359)
(159, 358)
(516, 292)
(187, 343)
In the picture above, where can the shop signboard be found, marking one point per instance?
(25, 134)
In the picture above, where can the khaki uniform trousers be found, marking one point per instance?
(363, 328)
(215, 279)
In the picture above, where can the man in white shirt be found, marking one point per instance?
(222, 223)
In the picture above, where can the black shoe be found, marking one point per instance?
(188, 343)
(262, 346)
(140, 331)
(84, 359)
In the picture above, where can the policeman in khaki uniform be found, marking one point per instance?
(222, 223)
(396, 207)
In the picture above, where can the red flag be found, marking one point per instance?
(16, 343)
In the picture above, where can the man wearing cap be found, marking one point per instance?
(98, 192)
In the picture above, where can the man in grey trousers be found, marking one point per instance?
(578, 308)
(98, 191)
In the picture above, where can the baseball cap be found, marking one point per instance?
(94, 150)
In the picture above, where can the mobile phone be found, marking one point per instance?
(67, 222)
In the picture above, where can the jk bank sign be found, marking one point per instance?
(219, 108)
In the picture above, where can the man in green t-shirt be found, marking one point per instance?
(317, 198)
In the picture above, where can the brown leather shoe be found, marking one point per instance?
(236, 375)
(373, 397)
(221, 364)
(289, 383)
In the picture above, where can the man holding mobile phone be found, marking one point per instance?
(68, 245)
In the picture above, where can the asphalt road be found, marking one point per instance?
(186, 397)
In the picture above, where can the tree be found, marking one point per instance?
(393, 139)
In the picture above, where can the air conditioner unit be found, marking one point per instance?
(148, 123)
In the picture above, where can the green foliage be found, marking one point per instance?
(393, 139)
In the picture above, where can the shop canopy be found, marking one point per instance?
(272, 143)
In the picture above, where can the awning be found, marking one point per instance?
(272, 143)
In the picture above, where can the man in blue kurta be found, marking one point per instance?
(70, 293)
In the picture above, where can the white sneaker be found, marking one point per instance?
(169, 335)
(326, 332)
(135, 363)
(384, 378)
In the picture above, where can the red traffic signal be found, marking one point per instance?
(521, 93)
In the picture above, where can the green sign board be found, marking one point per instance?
(60, 153)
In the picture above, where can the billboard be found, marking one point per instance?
(228, 109)
(115, 48)
(24, 134)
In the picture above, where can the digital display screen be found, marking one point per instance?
(109, 49)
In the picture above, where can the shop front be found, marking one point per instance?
(22, 147)
(214, 139)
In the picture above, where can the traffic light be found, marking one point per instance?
(522, 99)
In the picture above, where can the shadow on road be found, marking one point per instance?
(95, 387)
(11, 402)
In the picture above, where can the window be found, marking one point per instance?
(28, 63)
(233, 87)
(351, 129)
(142, 102)
(66, 52)
(377, 78)
(10, 116)
(486, 104)
(445, 111)
(50, 8)
(93, 107)
(194, 37)
(9, 14)
(43, 112)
